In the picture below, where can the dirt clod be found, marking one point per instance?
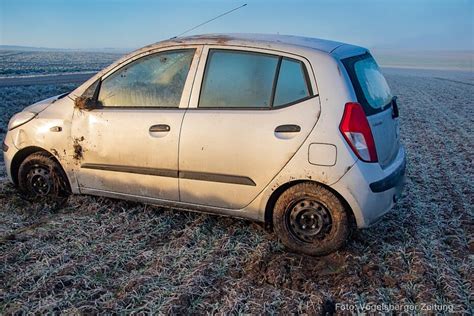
(84, 103)
(78, 151)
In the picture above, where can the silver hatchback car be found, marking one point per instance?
(299, 133)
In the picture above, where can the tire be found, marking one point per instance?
(42, 179)
(310, 219)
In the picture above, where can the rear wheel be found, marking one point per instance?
(41, 179)
(309, 218)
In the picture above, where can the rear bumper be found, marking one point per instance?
(391, 181)
(372, 191)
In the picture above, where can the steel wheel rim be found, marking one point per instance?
(308, 220)
(39, 181)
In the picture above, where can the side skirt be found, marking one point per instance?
(243, 214)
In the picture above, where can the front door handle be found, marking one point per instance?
(288, 128)
(159, 128)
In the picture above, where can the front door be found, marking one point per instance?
(249, 114)
(129, 143)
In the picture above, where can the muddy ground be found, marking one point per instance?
(104, 255)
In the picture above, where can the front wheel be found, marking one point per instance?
(309, 218)
(41, 179)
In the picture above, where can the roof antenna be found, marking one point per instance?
(215, 18)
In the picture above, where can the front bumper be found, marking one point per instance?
(9, 150)
(372, 191)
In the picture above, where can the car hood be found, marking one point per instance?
(40, 106)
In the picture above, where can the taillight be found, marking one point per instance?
(356, 130)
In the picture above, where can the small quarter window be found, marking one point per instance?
(89, 93)
(235, 79)
(153, 81)
(291, 84)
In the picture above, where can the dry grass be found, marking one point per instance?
(103, 255)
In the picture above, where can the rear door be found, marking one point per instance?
(374, 94)
(249, 113)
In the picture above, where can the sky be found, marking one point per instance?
(129, 24)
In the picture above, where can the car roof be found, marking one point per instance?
(254, 40)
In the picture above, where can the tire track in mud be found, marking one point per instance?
(445, 180)
(456, 81)
(445, 134)
(455, 110)
(443, 158)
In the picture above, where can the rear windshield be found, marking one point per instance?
(371, 88)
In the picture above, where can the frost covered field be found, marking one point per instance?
(28, 63)
(102, 255)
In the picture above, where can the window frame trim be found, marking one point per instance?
(200, 75)
(189, 82)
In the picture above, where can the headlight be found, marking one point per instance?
(20, 119)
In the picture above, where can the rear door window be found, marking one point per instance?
(240, 79)
(371, 88)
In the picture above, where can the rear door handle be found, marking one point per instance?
(159, 128)
(288, 128)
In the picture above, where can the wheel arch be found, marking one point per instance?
(23, 153)
(277, 192)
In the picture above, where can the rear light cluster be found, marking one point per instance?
(356, 130)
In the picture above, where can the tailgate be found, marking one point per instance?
(374, 94)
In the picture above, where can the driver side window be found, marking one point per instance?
(152, 81)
